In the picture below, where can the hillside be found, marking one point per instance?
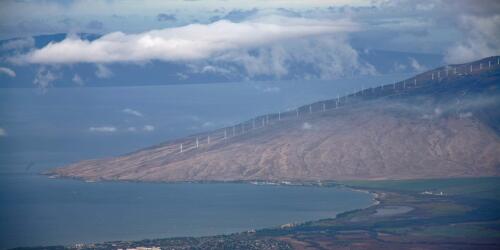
(442, 123)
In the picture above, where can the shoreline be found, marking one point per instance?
(321, 184)
(398, 217)
(289, 224)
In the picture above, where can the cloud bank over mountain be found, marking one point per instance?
(482, 39)
(190, 42)
(263, 46)
(212, 41)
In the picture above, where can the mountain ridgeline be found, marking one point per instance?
(441, 123)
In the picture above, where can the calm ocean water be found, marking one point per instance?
(44, 211)
(69, 124)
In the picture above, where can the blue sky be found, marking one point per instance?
(253, 37)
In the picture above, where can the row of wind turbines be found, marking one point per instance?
(435, 76)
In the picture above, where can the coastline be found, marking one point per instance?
(326, 208)
(399, 217)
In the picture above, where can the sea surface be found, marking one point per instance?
(50, 128)
(44, 211)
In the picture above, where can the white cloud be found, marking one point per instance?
(44, 78)
(214, 69)
(327, 57)
(77, 80)
(104, 129)
(399, 67)
(482, 39)
(182, 76)
(3, 132)
(103, 71)
(148, 128)
(190, 42)
(132, 112)
(416, 65)
(7, 71)
(131, 129)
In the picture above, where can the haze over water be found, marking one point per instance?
(69, 124)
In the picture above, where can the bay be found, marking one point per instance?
(36, 210)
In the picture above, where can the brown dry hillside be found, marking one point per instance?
(437, 128)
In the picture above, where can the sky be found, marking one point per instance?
(253, 38)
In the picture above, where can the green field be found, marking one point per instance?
(486, 188)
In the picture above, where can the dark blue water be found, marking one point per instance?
(44, 211)
(41, 131)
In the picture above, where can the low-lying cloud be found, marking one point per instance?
(44, 78)
(148, 128)
(7, 71)
(482, 39)
(77, 80)
(132, 112)
(416, 66)
(190, 42)
(103, 129)
(103, 72)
